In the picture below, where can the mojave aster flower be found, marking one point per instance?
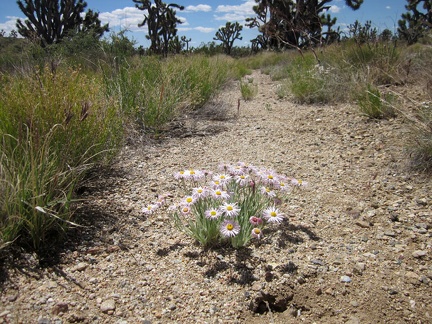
(185, 209)
(230, 209)
(298, 183)
(267, 191)
(242, 179)
(220, 194)
(223, 178)
(149, 209)
(273, 215)
(229, 228)
(256, 233)
(188, 200)
(212, 213)
(199, 192)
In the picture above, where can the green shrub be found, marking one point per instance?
(54, 126)
(420, 148)
(152, 91)
(248, 89)
(374, 105)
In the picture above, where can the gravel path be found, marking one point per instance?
(356, 247)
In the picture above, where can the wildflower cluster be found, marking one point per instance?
(234, 204)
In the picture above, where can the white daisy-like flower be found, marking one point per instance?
(199, 192)
(192, 174)
(256, 233)
(273, 215)
(216, 184)
(283, 186)
(220, 194)
(179, 175)
(269, 177)
(188, 200)
(242, 179)
(223, 178)
(298, 183)
(212, 213)
(230, 209)
(229, 228)
(185, 209)
(149, 209)
(268, 192)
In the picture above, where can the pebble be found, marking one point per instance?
(362, 224)
(419, 253)
(80, 266)
(359, 268)
(108, 306)
(345, 279)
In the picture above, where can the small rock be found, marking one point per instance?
(80, 266)
(318, 292)
(301, 280)
(362, 224)
(345, 279)
(329, 291)
(422, 201)
(390, 233)
(108, 305)
(359, 268)
(419, 253)
(354, 303)
(60, 308)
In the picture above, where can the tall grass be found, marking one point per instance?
(54, 125)
(153, 91)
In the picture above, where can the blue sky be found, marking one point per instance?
(202, 18)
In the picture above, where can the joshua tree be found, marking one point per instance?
(53, 20)
(289, 23)
(415, 23)
(228, 34)
(161, 21)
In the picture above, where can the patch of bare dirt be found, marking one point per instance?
(356, 247)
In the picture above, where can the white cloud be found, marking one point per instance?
(334, 9)
(200, 7)
(126, 18)
(204, 29)
(236, 13)
(388, 7)
(10, 24)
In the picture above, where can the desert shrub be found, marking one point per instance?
(152, 91)
(420, 144)
(248, 89)
(374, 104)
(54, 126)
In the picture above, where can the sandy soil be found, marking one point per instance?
(355, 248)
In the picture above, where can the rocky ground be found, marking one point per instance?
(355, 248)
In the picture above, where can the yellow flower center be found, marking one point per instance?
(229, 208)
(300, 182)
(189, 199)
(185, 209)
(218, 193)
(230, 227)
(257, 231)
(192, 172)
(270, 177)
(213, 213)
(273, 214)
